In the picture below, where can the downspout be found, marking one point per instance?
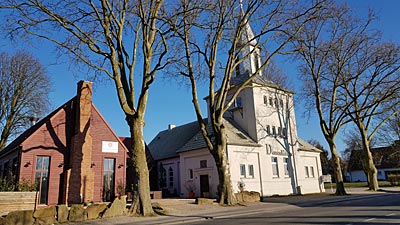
(259, 171)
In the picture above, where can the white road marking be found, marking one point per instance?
(370, 219)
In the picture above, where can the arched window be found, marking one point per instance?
(171, 176)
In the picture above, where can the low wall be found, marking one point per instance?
(13, 201)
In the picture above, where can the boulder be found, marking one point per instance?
(117, 208)
(77, 213)
(246, 196)
(94, 211)
(204, 201)
(62, 213)
(45, 216)
(22, 217)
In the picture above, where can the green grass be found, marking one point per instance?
(358, 184)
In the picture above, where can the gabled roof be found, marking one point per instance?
(384, 158)
(167, 142)
(188, 137)
(305, 146)
(22, 137)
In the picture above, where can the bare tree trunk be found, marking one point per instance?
(371, 170)
(225, 189)
(141, 191)
(337, 168)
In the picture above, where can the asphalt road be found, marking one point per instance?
(363, 209)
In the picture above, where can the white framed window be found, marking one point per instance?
(273, 130)
(190, 174)
(268, 129)
(271, 101)
(307, 173)
(280, 131)
(312, 171)
(286, 166)
(242, 170)
(265, 100)
(275, 171)
(251, 171)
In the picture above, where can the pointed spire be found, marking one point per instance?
(247, 33)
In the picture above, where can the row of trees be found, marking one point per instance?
(344, 66)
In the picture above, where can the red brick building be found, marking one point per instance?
(72, 153)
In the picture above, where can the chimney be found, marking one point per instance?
(81, 179)
(171, 126)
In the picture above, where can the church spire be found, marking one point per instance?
(249, 49)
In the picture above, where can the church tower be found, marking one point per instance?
(264, 110)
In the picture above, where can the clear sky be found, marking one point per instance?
(170, 101)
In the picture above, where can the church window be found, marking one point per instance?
(286, 166)
(251, 171)
(242, 170)
(271, 101)
(268, 128)
(265, 100)
(274, 161)
(273, 130)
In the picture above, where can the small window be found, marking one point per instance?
(273, 130)
(268, 129)
(242, 170)
(271, 101)
(239, 102)
(265, 100)
(281, 103)
(307, 172)
(286, 166)
(191, 174)
(280, 131)
(276, 103)
(203, 163)
(312, 171)
(251, 171)
(284, 132)
(274, 161)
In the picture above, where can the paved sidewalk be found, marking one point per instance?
(181, 211)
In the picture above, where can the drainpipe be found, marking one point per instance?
(259, 171)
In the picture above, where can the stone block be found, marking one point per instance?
(77, 213)
(204, 201)
(117, 208)
(45, 216)
(23, 217)
(94, 211)
(62, 213)
(246, 196)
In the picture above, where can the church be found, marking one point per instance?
(265, 153)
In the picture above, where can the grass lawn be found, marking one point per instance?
(358, 184)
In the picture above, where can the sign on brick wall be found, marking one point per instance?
(109, 146)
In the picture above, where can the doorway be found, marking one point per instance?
(204, 186)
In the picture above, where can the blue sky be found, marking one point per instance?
(170, 101)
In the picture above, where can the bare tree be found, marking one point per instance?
(217, 55)
(371, 79)
(23, 93)
(323, 46)
(111, 37)
(390, 131)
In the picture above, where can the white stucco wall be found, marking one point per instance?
(191, 160)
(311, 183)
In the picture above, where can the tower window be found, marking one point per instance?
(273, 130)
(271, 101)
(238, 102)
(265, 100)
(268, 128)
